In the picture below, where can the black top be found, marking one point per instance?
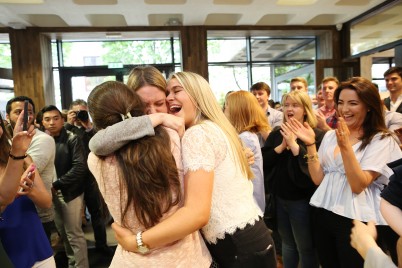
(286, 175)
(393, 192)
(71, 165)
(387, 103)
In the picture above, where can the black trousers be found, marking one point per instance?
(249, 247)
(387, 240)
(94, 203)
(332, 237)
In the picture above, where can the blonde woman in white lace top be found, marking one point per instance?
(218, 191)
(141, 182)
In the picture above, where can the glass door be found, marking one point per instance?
(78, 82)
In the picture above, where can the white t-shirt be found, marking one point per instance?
(394, 105)
(334, 192)
(205, 146)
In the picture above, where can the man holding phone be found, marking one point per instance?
(41, 151)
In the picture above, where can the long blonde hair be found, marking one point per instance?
(245, 113)
(304, 100)
(200, 93)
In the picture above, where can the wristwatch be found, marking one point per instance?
(141, 247)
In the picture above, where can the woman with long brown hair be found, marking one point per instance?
(141, 182)
(21, 231)
(350, 170)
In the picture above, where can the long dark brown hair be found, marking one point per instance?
(374, 122)
(148, 173)
(4, 144)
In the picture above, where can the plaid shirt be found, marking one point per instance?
(332, 121)
(330, 116)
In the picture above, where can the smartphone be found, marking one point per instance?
(29, 175)
(26, 116)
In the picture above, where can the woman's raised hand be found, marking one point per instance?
(342, 133)
(21, 139)
(302, 131)
(288, 135)
(27, 180)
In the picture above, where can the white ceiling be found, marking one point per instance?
(107, 13)
(120, 13)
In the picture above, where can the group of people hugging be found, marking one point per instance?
(173, 169)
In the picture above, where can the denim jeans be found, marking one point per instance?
(294, 225)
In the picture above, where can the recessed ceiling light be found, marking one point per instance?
(295, 2)
(22, 1)
(113, 35)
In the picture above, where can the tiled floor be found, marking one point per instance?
(96, 259)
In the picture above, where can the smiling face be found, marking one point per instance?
(328, 89)
(153, 98)
(393, 83)
(180, 104)
(293, 109)
(352, 109)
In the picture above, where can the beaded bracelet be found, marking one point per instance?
(311, 158)
(307, 145)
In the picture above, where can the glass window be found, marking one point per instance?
(83, 85)
(227, 78)
(273, 60)
(282, 49)
(226, 50)
(55, 59)
(5, 95)
(261, 73)
(6, 85)
(376, 30)
(284, 73)
(377, 73)
(124, 52)
(57, 92)
(5, 56)
(177, 50)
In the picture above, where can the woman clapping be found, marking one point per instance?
(349, 169)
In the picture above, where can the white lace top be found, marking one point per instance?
(206, 147)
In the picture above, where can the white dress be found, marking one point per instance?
(334, 192)
(205, 146)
